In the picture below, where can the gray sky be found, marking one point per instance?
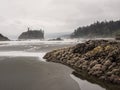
(54, 15)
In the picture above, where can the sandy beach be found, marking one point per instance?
(28, 73)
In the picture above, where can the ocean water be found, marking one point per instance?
(85, 85)
(31, 48)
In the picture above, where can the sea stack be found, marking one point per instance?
(3, 38)
(32, 34)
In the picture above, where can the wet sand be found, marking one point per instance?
(28, 73)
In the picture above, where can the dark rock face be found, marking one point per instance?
(99, 58)
(35, 34)
(3, 38)
(57, 39)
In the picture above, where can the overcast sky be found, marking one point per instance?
(54, 15)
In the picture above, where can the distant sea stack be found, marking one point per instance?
(3, 38)
(32, 34)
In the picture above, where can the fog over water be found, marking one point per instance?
(53, 16)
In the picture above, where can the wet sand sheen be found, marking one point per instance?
(28, 73)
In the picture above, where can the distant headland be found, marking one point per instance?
(3, 38)
(32, 34)
(99, 29)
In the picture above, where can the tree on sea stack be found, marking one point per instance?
(32, 34)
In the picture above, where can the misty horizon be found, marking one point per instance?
(54, 16)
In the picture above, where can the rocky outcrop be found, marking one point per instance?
(32, 34)
(3, 38)
(98, 58)
(57, 39)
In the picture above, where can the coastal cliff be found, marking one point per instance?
(97, 58)
(3, 38)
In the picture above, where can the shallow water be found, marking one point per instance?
(30, 48)
(37, 49)
(85, 85)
